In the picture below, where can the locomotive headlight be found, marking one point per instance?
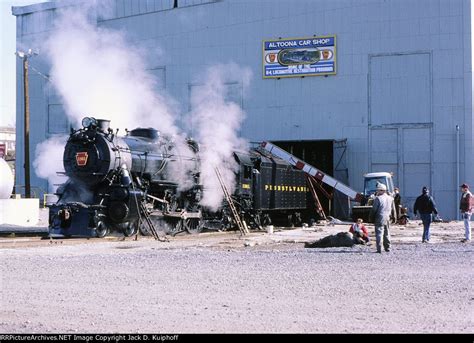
(86, 122)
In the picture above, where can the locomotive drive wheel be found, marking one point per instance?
(101, 230)
(130, 229)
(174, 226)
(193, 225)
(143, 229)
(168, 225)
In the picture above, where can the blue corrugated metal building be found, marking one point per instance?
(401, 88)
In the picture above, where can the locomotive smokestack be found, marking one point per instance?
(103, 124)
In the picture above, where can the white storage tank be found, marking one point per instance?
(6, 180)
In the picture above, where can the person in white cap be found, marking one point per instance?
(467, 207)
(380, 214)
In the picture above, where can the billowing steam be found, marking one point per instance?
(98, 73)
(49, 161)
(217, 122)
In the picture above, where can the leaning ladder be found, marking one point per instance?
(319, 209)
(149, 224)
(243, 229)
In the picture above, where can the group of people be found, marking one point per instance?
(424, 205)
(380, 214)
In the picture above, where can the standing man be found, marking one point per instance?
(380, 214)
(397, 198)
(425, 205)
(466, 206)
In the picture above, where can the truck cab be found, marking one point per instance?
(371, 180)
(370, 188)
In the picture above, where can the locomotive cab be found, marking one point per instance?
(244, 176)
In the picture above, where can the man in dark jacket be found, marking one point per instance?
(426, 206)
(397, 200)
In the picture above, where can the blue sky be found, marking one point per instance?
(7, 59)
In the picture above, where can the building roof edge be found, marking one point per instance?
(42, 6)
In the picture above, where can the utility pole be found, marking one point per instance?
(24, 56)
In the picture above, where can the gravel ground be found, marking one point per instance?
(219, 283)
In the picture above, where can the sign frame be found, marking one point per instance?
(280, 57)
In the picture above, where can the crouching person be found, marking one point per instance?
(360, 232)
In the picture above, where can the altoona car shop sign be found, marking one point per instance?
(299, 57)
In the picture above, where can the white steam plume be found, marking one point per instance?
(49, 161)
(217, 122)
(98, 73)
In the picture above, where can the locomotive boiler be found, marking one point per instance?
(122, 183)
(114, 181)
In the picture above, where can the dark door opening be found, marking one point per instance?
(329, 156)
(319, 153)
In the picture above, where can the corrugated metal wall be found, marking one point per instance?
(400, 118)
(115, 9)
(403, 77)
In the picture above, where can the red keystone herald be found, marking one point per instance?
(81, 158)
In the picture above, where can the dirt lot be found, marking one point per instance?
(220, 282)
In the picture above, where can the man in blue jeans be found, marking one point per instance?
(426, 206)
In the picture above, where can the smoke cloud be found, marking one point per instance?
(49, 161)
(98, 73)
(217, 121)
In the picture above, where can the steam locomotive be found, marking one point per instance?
(115, 183)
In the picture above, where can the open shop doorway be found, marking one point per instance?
(330, 157)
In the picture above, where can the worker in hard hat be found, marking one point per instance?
(380, 214)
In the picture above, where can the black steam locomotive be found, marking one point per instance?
(115, 183)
